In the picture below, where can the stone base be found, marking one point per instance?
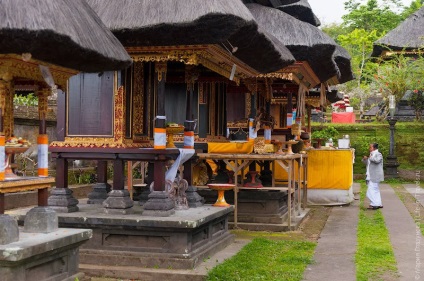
(62, 201)
(36, 256)
(255, 206)
(159, 205)
(193, 198)
(118, 202)
(9, 231)
(41, 220)
(99, 193)
(180, 241)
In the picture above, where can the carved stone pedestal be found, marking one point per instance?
(99, 193)
(193, 198)
(159, 205)
(62, 201)
(9, 231)
(118, 202)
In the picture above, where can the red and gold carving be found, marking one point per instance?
(119, 120)
(137, 98)
(16, 67)
(160, 69)
(6, 103)
(98, 143)
(43, 103)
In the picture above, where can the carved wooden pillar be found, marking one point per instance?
(4, 88)
(6, 103)
(42, 139)
(160, 131)
(191, 75)
(289, 108)
(159, 202)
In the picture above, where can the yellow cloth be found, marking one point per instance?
(327, 169)
(230, 147)
(330, 169)
(227, 147)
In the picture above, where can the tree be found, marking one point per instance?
(399, 74)
(415, 6)
(359, 45)
(416, 101)
(372, 16)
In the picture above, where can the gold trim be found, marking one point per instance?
(16, 67)
(212, 57)
(299, 72)
(25, 184)
(138, 100)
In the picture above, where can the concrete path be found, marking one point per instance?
(334, 257)
(405, 236)
(415, 191)
(335, 252)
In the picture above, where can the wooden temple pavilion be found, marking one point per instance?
(44, 42)
(189, 57)
(62, 45)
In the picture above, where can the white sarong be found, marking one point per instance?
(373, 194)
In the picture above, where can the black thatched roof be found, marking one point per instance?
(408, 35)
(271, 3)
(306, 42)
(192, 22)
(61, 32)
(302, 11)
(342, 59)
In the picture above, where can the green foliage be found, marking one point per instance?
(416, 101)
(372, 16)
(415, 6)
(28, 100)
(264, 259)
(81, 176)
(374, 253)
(399, 74)
(325, 133)
(409, 138)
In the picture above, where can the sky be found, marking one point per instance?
(329, 11)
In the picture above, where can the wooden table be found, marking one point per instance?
(238, 162)
(42, 184)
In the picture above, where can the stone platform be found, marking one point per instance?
(258, 210)
(43, 256)
(179, 241)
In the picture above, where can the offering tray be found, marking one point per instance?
(170, 132)
(10, 151)
(221, 188)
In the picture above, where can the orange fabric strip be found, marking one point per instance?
(43, 172)
(43, 139)
(160, 130)
(189, 134)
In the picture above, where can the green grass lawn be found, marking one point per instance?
(266, 259)
(374, 256)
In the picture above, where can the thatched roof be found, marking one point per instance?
(342, 59)
(306, 42)
(408, 35)
(61, 32)
(302, 11)
(271, 3)
(192, 22)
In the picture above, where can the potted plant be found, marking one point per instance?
(324, 134)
